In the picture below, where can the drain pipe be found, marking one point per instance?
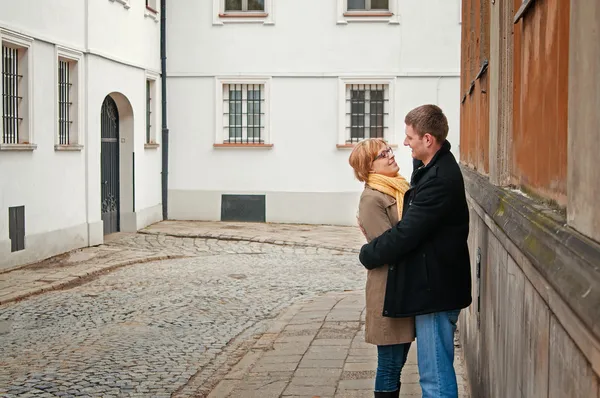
(165, 129)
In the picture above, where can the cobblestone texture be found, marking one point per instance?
(147, 329)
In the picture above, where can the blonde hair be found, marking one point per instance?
(363, 155)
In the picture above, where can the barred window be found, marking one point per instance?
(367, 111)
(243, 110)
(11, 95)
(368, 5)
(65, 102)
(244, 5)
(148, 111)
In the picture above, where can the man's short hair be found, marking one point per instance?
(428, 119)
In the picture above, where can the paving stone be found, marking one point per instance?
(310, 390)
(321, 363)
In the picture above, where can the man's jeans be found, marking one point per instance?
(390, 360)
(435, 352)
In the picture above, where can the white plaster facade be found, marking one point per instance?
(116, 47)
(303, 52)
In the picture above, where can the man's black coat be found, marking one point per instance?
(427, 250)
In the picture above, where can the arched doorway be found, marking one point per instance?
(110, 179)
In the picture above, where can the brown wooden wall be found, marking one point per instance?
(474, 111)
(540, 127)
(531, 115)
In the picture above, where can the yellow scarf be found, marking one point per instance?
(396, 187)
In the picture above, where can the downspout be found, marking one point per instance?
(165, 129)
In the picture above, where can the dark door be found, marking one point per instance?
(110, 166)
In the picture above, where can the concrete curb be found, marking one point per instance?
(79, 279)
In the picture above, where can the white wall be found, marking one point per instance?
(125, 34)
(61, 190)
(304, 157)
(306, 39)
(57, 21)
(304, 176)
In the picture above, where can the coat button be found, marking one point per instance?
(391, 267)
(385, 312)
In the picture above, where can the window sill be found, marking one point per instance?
(18, 147)
(387, 17)
(265, 146)
(368, 14)
(350, 146)
(244, 15)
(151, 13)
(68, 148)
(125, 3)
(151, 145)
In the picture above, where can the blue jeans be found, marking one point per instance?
(390, 360)
(435, 353)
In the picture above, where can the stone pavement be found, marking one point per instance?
(114, 322)
(316, 349)
(166, 240)
(323, 236)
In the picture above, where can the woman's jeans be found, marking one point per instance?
(435, 353)
(390, 360)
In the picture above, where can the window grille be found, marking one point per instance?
(243, 106)
(367, 111)
(244, 5)
(368, 5)
(65, 116)
(11, 100)
(148, 111)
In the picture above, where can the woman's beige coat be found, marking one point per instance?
(377, 212)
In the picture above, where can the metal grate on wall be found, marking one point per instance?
(243, 106)
(366, 111)
(10, 95)
(148, 111)
(64, 102)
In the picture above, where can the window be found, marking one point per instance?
(243, 117)
(148, 111)
(68, 104)
(244, 5)
(152, 7)
(366, 110)
(244, 113)
(10, 95)
(368, 5)
(65, 104)
(16, 92)
(243, 11)
(151, 112)
(368, 11)
(125, 3)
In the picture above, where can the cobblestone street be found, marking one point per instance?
(146, 329)
(176, 327)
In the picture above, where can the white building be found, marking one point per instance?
(263, 95)
(71, 69)
(265, 98)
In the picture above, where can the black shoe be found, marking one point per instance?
(393, 394)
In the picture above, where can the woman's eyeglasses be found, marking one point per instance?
(386, 153)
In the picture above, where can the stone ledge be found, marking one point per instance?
(565, 258)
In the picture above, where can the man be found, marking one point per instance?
(429, 275)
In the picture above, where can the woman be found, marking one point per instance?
(379, 209)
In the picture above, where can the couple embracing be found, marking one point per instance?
(419, 275)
